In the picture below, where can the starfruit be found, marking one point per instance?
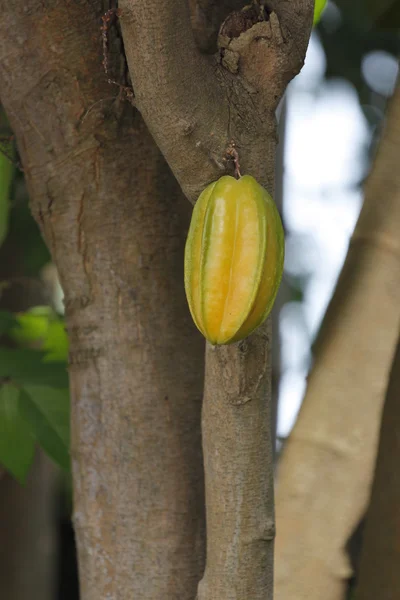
(233, 259)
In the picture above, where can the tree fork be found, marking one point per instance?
(136, 362)
(194, 106)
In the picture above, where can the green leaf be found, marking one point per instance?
(30, 328)
(318, 10)
(42, 328)
(56, 342)
(17, 445)
(7, 321)
(48, 412)
(6, 177)
(25, 367)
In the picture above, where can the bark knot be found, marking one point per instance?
(257, 45)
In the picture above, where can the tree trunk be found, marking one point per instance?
(115, 221)
(27, 533)
(325, 472)
(239, 471)
(379, 575)
(136, 369)
(113, 217)
(195, 106)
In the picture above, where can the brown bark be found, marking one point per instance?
(110, 211)
(325, 473)
(239, 471)
(379, 575)
(207, 16)
(27, 533)
(194, 106)
(115, 221)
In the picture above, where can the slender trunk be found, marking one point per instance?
(239, 467)
(115, 220)
(379, 575)
(325, 472)
(27, 533)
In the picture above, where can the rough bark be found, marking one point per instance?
(238, 461)
(325, 473)
(27, 533)
(194, 105)
(207, 16)
(108, 208)
(115, 220)
(379, 575)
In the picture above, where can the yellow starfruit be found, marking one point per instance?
(233, 259)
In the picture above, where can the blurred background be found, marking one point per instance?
(329, 122)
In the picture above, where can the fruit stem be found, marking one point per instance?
(233, 153)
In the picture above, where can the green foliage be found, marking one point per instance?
(6, 177)
(7, 321)
(27, 367)
(34, 397)
(16, 442)
(47, 412)
(34, 394)
(31, 327)
(42, 328)
(318, 10)
(56, 343)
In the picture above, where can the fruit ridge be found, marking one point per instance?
(233, 259)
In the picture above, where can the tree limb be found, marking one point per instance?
(334, 440)
(195, 105)
(379, 575)
(238, 461)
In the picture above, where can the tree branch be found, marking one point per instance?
(335, 437)
(379, 576)
(238, 461)
(194, 105)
